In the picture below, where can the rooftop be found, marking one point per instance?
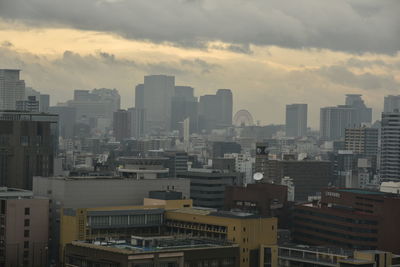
(214, 212)
(360, 191)
(154, 244)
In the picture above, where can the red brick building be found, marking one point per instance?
(350, 218)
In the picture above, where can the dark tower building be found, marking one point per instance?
(184, 105)
(28, 143)
(226, 106)
(121, 125)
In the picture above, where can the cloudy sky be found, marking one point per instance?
(269, 52)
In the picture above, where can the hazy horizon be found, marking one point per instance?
(270, 53)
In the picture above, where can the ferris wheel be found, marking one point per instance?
(243, 118)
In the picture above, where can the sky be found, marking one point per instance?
(269, 52)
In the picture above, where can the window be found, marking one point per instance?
(26, 244)
(27, 222)
(26, 233)
(26, 254)
(244, 229)
(27, 211)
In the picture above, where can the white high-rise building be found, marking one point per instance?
(12, 89)
(296, 120)
(390, 146)
(244, 163)
(158, 93)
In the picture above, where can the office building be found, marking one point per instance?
(296, 120)
(363, 141)
(121, 125)
(143, 168)
(225, 101)
(334, 121)
(219, 149)
(137, 122)
(363, 114)
(153, 251)
(215, 111)
(262, 198)
(184, 105)
(207, 186)
(139, 96)
(391, 103)
(43, 99)
(308, 176)
(390, 146)
(177, 162)
(256, 235)
(261, 163)
(350, 218)
(28, 143)
(319, 256)
(66, 120)
(30, 105)
(244, 163)
(12, 89)
(24, 228)
(91, 192)
(158, 93)
(96, 107)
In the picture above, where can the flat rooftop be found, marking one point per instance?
(159, 243)
(214, 212)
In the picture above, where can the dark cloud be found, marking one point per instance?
(368, 81)
(355, 26)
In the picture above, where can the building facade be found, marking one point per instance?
(390, 146)
(12, 89)
(296, 120)
(28, 143)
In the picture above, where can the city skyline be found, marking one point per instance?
(281, 69)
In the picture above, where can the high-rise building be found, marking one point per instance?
(391, 103)
(362, 114)
(137, 121)
(66, 120)
(390, 146)
(334, 121)
(215, 111)
(184, 105)
(12, 89)
(158, 93)
(30, 105)
(226, 106)
(96, 107)
(296, 120)
(363, 141)
(121, 125)
(44, 99)
(28, 143)
(139, 96)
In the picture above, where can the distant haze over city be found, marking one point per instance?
(269, 53)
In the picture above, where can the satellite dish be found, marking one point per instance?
(258, 176)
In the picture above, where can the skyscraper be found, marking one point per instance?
(137, 120)
(226, 103)
(139, 96)
(215, 111)
(392, 102)
(334, 121)
(296, 120)
(158, 93)
(362, 113)
(28, 144)
(12, 89)
(184, 105)
(121, 125)
(390, 146)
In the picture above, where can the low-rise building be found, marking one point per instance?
(163, 251)
(24, 221)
